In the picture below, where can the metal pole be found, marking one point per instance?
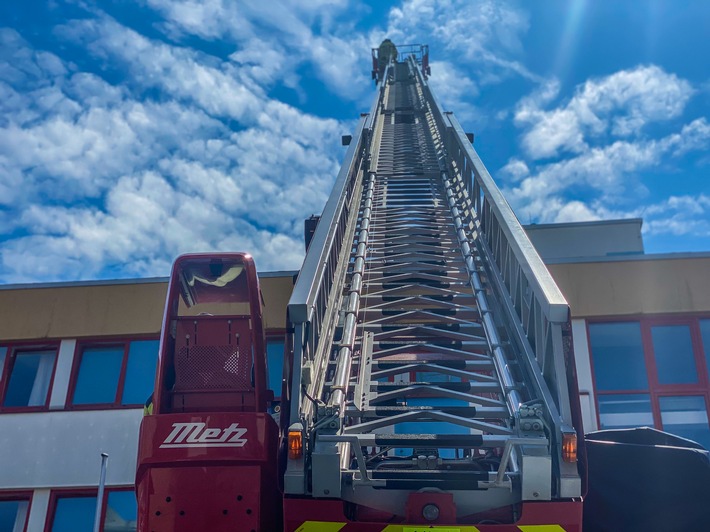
(100, 494)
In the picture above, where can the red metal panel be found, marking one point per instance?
(208, 472)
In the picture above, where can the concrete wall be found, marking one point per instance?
(588, 239)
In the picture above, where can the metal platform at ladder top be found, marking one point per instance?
(428, 334)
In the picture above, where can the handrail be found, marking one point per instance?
(310, 279)
(541, 311)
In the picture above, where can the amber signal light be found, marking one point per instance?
(295, 444)
(569, 447)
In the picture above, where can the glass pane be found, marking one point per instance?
(13, 515)
(140, 372)
(625, 411)
(673, 350)
(617, 352)
(275, 361)
(98, 375)
(29, 379)
(121, 512)
(74, 514)
(705, 333)
(3, 352)
(686, 417)
(430, 427)
(435, 376)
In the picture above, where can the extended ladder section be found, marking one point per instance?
(431, 344)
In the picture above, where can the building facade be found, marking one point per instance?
(77, 362)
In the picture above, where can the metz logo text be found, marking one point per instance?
(198, 435)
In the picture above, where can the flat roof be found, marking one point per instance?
(631, 257)
(584, 224)
(112, 282)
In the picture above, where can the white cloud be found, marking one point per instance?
(455, 90)
(609, 174)
(97, 175)
(273, 39)
(515, 170)
(620, 104)
(484, 33)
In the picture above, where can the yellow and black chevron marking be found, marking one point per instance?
(323, 526)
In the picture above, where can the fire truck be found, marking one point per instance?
(428, 374)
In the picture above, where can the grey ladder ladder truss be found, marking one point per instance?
(429, 338)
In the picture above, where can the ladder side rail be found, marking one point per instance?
(532, 296)
(306, 290)
(308, 306)
(532, 293)
(310, 316)
(480, 188)
(540, 306)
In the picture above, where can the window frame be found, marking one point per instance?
(105, 341)
(13, 348)
(656, 389)
(21, 495)
(60, 493)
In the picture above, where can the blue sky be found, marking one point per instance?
(131, 132)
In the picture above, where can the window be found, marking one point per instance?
(705, 334)
(114, 374)
(686, 416)
(121, 512)
(653, 372)
(275, 363)
(673, 351)
(26, 376)
(14, 510)
(75, 511)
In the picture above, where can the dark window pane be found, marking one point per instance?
(617, 351)
(620, 411)
(686, 417)
(74, 514)
(29, 379)
(140, 371)
(430, 427)
(98, 375)
(275, 361)
(13, 515)
(705, 333)
(121, 511)
(673, 350)
(435, 376)
(3, 352)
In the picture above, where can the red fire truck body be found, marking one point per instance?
(207, 455)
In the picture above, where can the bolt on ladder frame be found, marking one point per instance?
(429, 338)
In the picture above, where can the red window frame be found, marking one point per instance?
(76, 365)
(56, 494)
(25, 495)
(6, 370)
(655, 389)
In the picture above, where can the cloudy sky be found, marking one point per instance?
(131, 132)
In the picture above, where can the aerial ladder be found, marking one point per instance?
(432, 376)
(428, 378)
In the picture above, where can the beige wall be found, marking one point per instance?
(106, 310)
(76, 311)
(276, 292)
(635, 286)
(592, 289)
